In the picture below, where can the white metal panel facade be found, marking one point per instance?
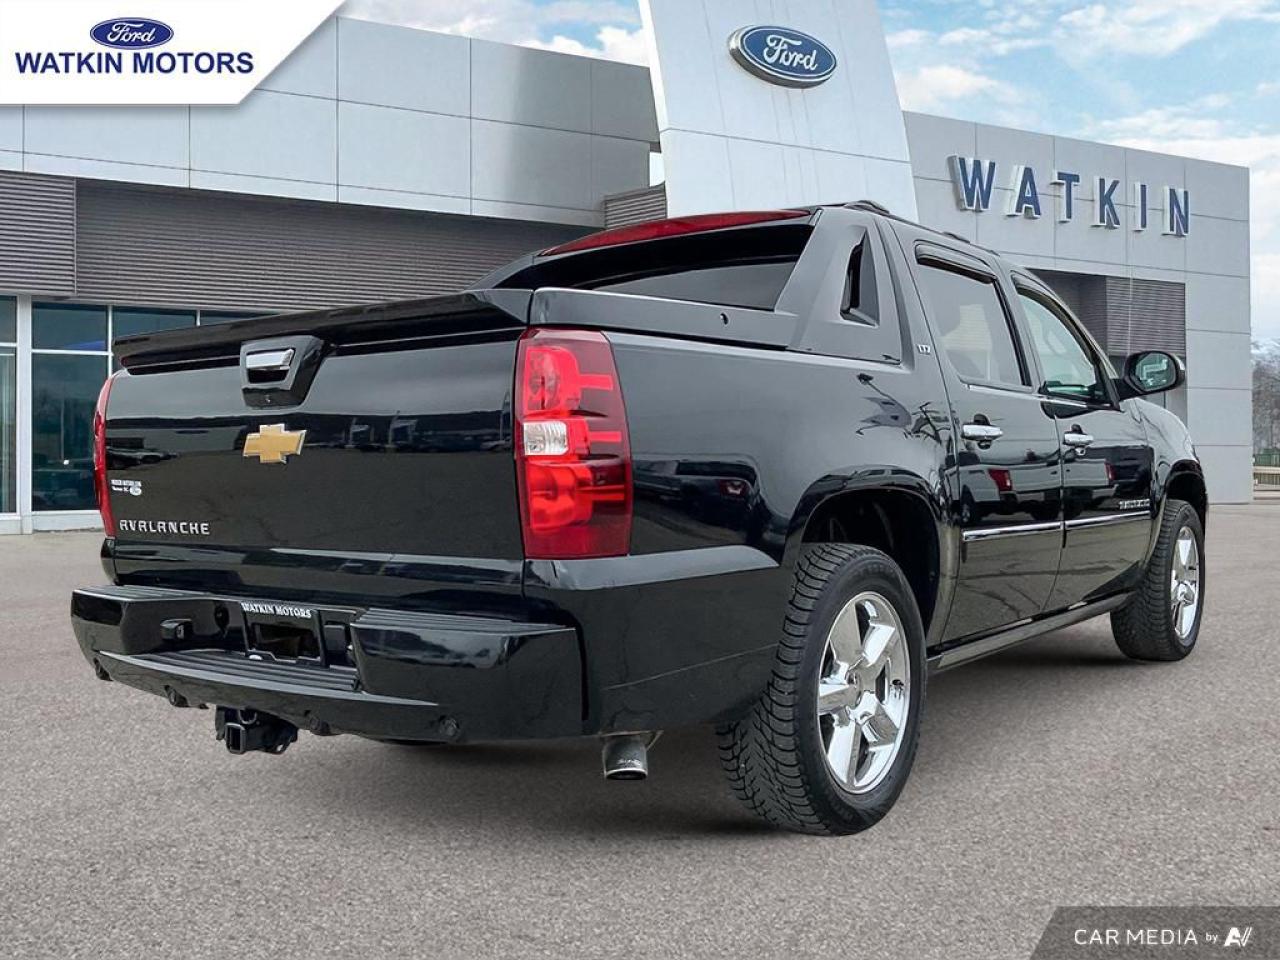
(365, 113)
(734, 141)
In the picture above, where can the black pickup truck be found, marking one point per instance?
(759, 470)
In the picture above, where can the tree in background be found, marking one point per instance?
(1266, 397)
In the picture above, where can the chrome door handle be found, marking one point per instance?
(981, 432)
(1077, 438)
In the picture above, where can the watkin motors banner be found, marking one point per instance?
(147, 51)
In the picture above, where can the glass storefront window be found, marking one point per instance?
(68, 326)
(8, 429)
(129, 321)
(210, 317)
(65, 392)
(8, 320)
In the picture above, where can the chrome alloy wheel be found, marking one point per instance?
(864, 692)
(1184, 583)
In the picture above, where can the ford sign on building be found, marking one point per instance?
(383, 162)
(785, 57)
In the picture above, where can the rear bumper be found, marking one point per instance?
(389, 674)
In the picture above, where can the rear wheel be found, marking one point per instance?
(827, 748)
(1162, 619)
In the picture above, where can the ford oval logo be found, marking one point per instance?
(783, 56)
(132, 33)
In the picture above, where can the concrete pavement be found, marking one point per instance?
(1057, 773)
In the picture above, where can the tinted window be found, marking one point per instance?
(1068, 368)
(744, 268)
(757, 286)
(8, 320)
(861, 297)
(67, 326)
(128, 321)
(62, 404)
(972, 327)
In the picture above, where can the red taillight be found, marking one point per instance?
(100, 485)
(677, 227)
(1003, 479)
(573, 455)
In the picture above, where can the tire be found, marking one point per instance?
(1152, 626)
(776, 756)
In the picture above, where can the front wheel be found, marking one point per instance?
(829, 745)
(1161, 621)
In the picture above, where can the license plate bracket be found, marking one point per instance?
(283, 631)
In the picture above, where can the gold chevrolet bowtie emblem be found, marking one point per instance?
(273, 443)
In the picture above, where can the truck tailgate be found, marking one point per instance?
(385, 472)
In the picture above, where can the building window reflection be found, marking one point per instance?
(70, 358)
(8, 405)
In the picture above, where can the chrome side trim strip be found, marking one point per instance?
(1109, 519)
(1021, 530)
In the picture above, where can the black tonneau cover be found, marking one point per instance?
(371, 323)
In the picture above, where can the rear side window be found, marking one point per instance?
(972, 327)
(731, 268)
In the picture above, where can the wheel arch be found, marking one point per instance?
(898, 514)
(1186, 482)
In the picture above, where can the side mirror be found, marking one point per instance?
(1152, 372)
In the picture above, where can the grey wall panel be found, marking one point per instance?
(148, 246)
(37, 234)
(637, 206)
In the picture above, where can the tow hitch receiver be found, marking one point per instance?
(247, 731)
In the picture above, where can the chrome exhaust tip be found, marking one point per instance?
(626, 756)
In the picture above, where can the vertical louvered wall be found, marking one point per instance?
(149, 246)
(37, 234)
(1148, 315)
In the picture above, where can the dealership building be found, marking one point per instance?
(382, 162)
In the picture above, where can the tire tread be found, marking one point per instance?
(760, 754)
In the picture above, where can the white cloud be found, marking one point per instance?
(929, 88)
(612, 43)
(1155, 28)
(511, 21)
(901, 39)
(993, 41)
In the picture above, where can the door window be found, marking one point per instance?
(972, 326)
(1069, 369)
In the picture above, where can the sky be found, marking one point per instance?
(1200, 78)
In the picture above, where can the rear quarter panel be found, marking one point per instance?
(733, 448)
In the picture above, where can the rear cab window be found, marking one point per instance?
(747, 268)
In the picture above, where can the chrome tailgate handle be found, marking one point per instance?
(269, 361)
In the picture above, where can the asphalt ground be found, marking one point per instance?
(1054, 774)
